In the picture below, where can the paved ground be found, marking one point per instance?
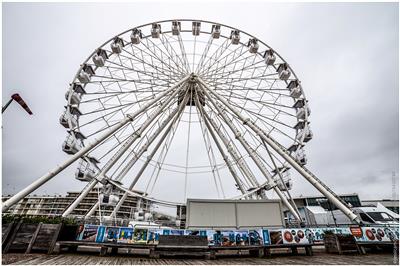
(93, 259)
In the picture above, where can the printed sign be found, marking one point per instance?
(242, 238)
(88, 233)
(296, 236)
(111, 234)
(154, 235)
(378, 234)
(125, 235)
(100, 234)
(276, 237)
(140, 235)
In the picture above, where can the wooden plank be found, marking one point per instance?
(23, 237)
(33, 239)
(6, 230)
(55, 237)
(14, 233)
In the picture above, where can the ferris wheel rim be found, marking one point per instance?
(205, 32)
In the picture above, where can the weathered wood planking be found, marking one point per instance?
(21, 237)
(6, 233)
(44, 240)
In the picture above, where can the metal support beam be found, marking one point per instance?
(153, 152)
(251, 152)
(219, 146)
(321, 187)
(137, 134)
(43, 179)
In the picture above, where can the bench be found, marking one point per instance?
(104, 247)
(181, 245)
(307, 247)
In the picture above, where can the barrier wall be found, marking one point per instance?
(288, 236)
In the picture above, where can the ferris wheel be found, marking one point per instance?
(175, 107)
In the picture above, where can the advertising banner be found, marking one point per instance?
(378, 234)
(242, 238)
(125, 235)
(140, 235)
(154, 235)
(111, 234)
(88, 233)
(100, 234)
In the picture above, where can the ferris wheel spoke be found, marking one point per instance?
(272, 106)
(217, 54)
(204, 54)
(235, 53)
(139, 153)
(160, 69)
(175, 115)
(224, 72)
(183, 52)
(171, 68)
(161, 158)
(172, 54)
(263, 117)
(113, 66)
(231, 147)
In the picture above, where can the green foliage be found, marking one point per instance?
(37, 219)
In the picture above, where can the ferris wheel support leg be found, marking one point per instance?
(92, 210)
(253, 155)
(153, 152)
(122, 150)
(306, 174)
(219, 146)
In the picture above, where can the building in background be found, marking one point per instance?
(392, 205)
(55, 205)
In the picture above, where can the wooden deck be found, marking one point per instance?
(319, 257)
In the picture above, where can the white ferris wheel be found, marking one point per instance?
(182, 108)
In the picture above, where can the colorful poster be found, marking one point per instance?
(154, 236)
(242, 238)
(297, 236)
(319, 233)
(211, 234)
(228, 238)
(195, 233)
(100, 234)
(140, 235)
(378, 234)
(343, 230)
(177, 232)
(79, 232)
(276, 237)
(255, 237)
(111, 234)
(89, 233)
(125, 235)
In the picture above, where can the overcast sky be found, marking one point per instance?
(345, 54)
